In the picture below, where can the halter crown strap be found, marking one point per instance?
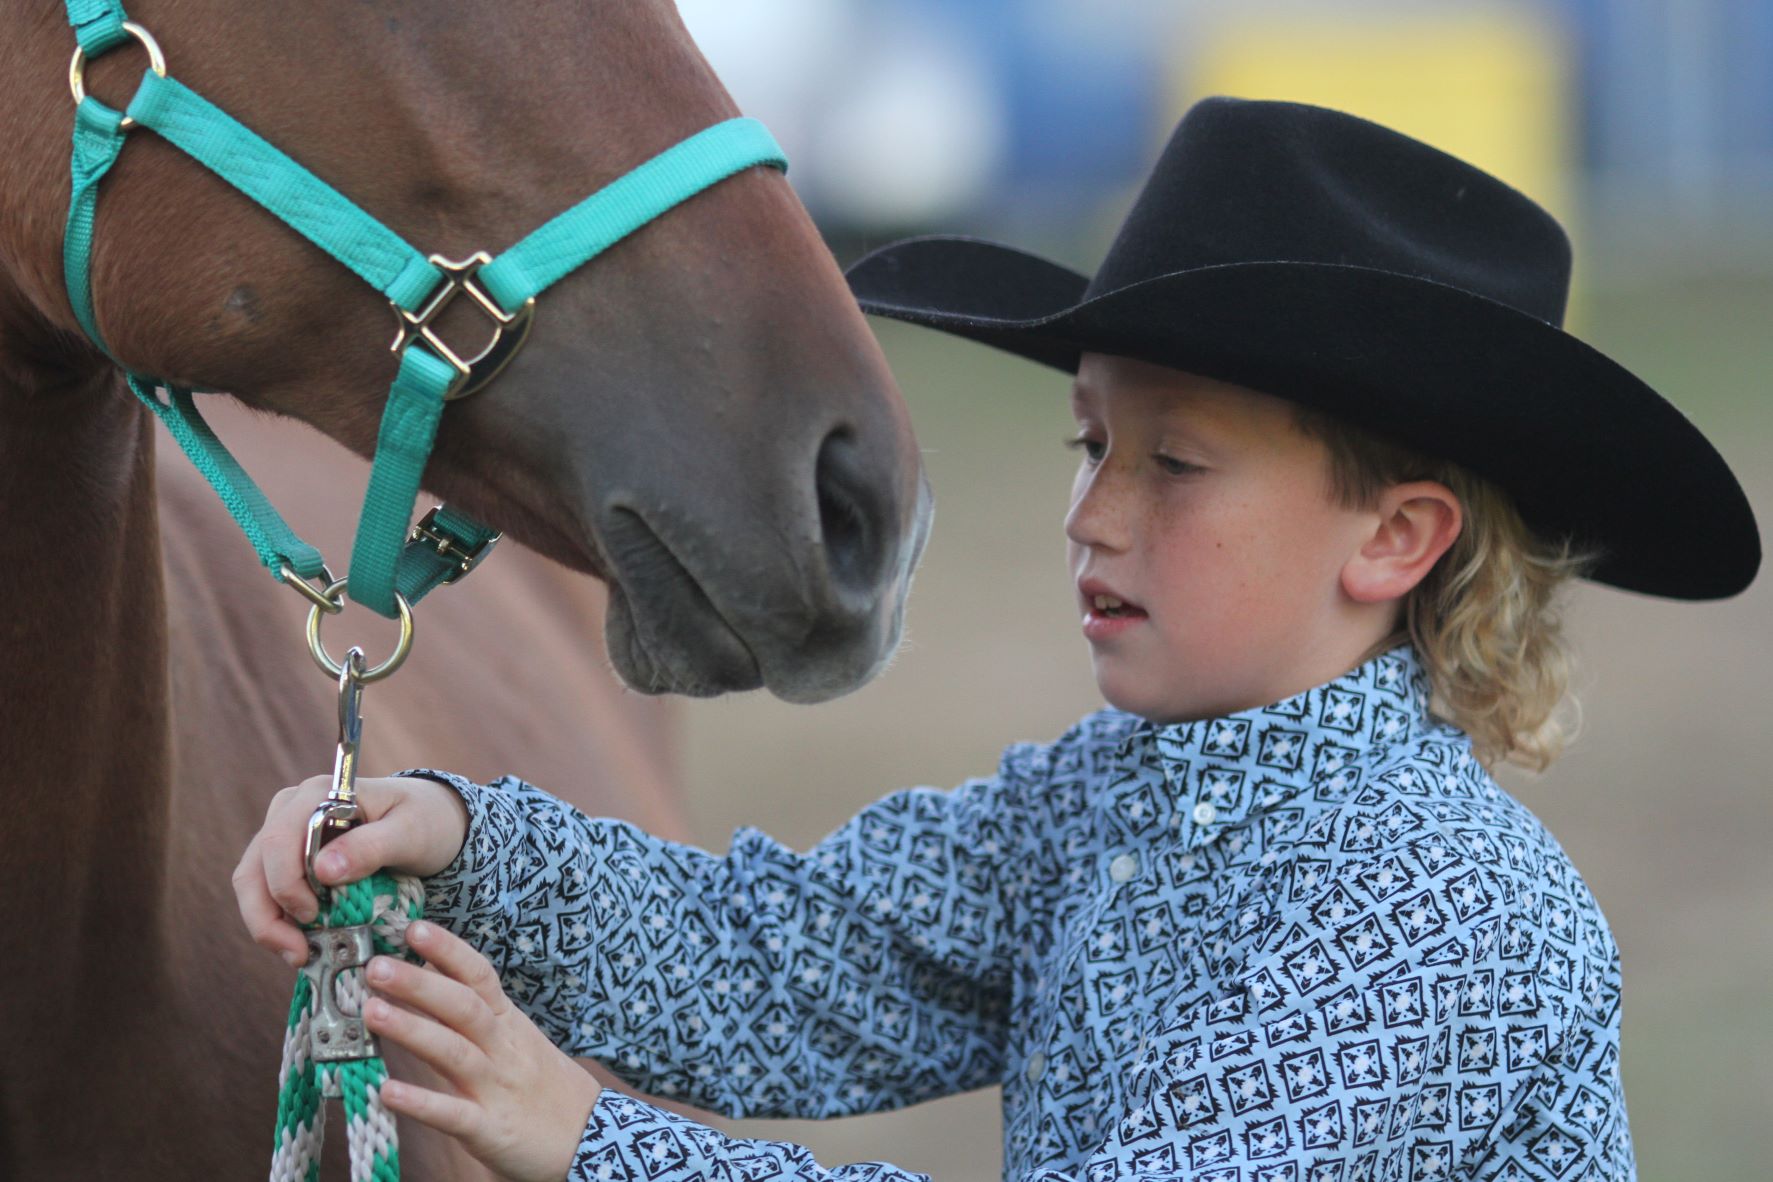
(384, 559)
(98, 24)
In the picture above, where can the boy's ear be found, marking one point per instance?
(1416, 522)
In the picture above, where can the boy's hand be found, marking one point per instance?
(518, 1103)
(411, 826)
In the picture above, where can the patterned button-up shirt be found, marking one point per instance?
(1303, 942)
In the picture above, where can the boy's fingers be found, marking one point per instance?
(285, 877)
(446, 1114)
(461, 960)
(432, 993)
(384, 838)
(356, 853)
(441, 1048)
(280, 846)
(264, 918)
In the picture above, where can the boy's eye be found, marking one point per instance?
(1092, 449)
(1174, 466)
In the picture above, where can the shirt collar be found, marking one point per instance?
(1219, 772)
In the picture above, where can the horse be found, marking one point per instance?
(700, 419)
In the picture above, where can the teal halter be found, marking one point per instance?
(389, 563)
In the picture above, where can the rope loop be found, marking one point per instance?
(383, 905)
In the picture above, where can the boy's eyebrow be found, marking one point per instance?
(1081, 395)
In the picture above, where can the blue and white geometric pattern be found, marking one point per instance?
(1310, 942)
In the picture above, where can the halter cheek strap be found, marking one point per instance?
(387, 558)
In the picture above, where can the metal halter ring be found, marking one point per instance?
(311, 593)
(332, 667)
(77, 68)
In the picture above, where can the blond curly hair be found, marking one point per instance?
(1486, 620)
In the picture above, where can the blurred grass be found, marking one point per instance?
(1664, 803)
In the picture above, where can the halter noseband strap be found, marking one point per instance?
(385, 559)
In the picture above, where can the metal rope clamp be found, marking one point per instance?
(333, 1034)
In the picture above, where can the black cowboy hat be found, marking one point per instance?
(1328, 260)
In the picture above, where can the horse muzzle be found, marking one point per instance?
(694, 616)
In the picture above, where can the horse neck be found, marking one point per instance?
(84, 726)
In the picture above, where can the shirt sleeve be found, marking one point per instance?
(869, 973)
(628, 1138)
(1346, 1048)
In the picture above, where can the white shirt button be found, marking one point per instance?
(1124, 868)
(1205, 813)
(1037, 1067)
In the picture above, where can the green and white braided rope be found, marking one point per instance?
(388, 903)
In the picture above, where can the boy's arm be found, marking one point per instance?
(870, 972)
(1423, 1053)
(1436, 1049)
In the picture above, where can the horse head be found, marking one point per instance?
(700, 416)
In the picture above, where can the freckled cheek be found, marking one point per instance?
(1230, 578)
(1225, 565)
(1196, 576)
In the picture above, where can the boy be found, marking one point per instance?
(1268, 916)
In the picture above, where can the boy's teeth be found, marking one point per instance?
(1107, 603)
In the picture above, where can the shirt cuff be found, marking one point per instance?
(629, 1138)
(470, 896)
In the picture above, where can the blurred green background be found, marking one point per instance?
(1663, 802)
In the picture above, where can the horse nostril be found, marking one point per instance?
(851, 512)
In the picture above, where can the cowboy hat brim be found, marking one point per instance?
(1586, 449)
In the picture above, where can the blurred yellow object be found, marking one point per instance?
(1487, 82)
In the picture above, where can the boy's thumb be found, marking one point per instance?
(347, 857)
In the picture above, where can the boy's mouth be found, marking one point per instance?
(1113, 608)
(1102, 604)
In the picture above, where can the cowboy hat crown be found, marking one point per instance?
(1323, 258)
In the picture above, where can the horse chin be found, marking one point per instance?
(684, 648)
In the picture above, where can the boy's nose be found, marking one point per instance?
(1097, 518)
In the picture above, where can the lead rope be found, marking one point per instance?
(326, 1018)
(328, 1050)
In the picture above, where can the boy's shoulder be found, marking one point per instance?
(1430, 796)
(1425, 823)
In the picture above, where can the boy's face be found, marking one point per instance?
(1208, 514)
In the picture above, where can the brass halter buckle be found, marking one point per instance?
(449, 546)
(510, 329)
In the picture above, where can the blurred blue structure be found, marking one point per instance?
(1066, 101)
(1677, 98)
(1083, 84)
